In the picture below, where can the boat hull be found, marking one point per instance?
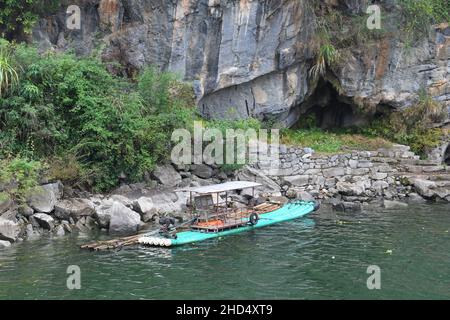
(288, 212)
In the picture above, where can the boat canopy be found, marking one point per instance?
(223, 187)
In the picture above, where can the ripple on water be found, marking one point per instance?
(323, 256)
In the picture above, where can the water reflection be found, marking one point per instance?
(323, 256)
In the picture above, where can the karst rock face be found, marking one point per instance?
(249, 58)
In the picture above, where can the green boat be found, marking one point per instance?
(214, 215)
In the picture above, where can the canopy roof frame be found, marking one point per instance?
(223, 187)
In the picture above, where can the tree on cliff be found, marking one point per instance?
(17, 17)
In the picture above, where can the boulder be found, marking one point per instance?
(59, 231)
(86, 224)
(166, 203)
(199, 182)
(346, 206)
(11, 215)
(167, 176)
(350, 189)
(442, 193)
(75, 208)
(31, 232)
(4, 244)
(44, 220)
(103, 213)
(202, 170)
(9, 230)
(222, 176)
(415, 198)
(25, 210)
(144, 205)
(423, 187)
(123, 189)
(149, 216)
(67, 227)
(379, 186)
(116, 217)
(123, 200)
(123, 219)
(44, 198)
(297, 180)
(305, 196)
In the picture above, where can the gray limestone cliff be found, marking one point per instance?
(252, 57)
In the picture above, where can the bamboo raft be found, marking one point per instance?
(119, 243)
(113, 244)
(213, 219)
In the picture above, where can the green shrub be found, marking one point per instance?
(67, 169)
(8, 73)
(326, 54)
(419, 15)
(65, 105)
(17, 17)
(326, 57)
(20, 175)
(412, 126)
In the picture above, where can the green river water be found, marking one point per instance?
(324, 256)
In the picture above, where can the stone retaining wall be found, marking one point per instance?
(354, 176)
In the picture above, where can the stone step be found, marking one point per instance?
(443, 183)
(384, 160)
(441, 177)
(423, 163)
(424, 169)
(412, 162)
(430, 163)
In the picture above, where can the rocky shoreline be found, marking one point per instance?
(349, 181)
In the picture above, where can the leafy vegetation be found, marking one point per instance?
(326, 53)
(238, 125)
(412, 126)
(411, 19)
(21, 175)
(331, 142)
(419, 15)
(8, 74)
(17, 17)
(68, 106)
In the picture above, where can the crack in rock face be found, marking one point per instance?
(250, 58)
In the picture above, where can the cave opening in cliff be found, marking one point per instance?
(327, 109)
(447, 155)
